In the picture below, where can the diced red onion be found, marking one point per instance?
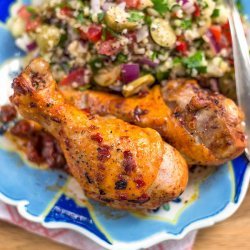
(148, 62)
(215, 46)
(142, 33)
(122, 5)
(31, 46)
(95, 6)
(188, 7)
(130, 72)
(106, 6)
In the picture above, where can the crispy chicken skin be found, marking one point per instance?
(206, 128)
(119, 164)
(214, 120)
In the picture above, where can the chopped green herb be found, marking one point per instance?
(202, 69)
(186, 24)
(177, 60)
(240, 6)
(100, 16)
(121, 58)
(96, 63)
(203, 4)
(63, 39)
(104, 34)
(85, 87)
(161, 6)
(31, 10)
(195, 61)
(216, 13)
(135, 16)
(80, 18)
(162, 75)
(148, 20)
(155, 55)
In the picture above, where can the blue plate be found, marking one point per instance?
(56, 201)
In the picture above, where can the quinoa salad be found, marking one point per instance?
(128, 45)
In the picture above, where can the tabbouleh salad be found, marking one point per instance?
(128, 45)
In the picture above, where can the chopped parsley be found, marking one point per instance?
(96, 63)
(186, 24)
(196, 61)
(135, 16)
(63, 39)
(80, 18)
(121, 58)
(155, 55)
(239, 6)
(148, 20)
(177, 60)
(32, 11)
(100, 17)
(160, 75)
(216, 13)
(161, 6)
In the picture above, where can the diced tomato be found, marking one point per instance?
(31, 22)
(227, 33)
(182, 47)
(216, 32)
(197, 11)
(109, 47)
(76, 76)
(131, 4)
(94, 33)
(24, 13)
(231, 61)
(66, 11)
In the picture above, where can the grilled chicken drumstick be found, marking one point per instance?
(122, 165)
(206, 128)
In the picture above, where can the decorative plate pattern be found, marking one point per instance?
(55, 200)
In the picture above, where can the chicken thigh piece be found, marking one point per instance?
(206, 128)
(121, 165)
(212, 119)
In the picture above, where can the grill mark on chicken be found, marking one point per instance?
(37, 80)
(121, 185)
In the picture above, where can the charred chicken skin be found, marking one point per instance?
(205, 127)
(119, 164)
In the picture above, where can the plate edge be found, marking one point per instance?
(226, 212)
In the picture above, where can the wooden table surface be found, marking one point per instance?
(228, 235)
